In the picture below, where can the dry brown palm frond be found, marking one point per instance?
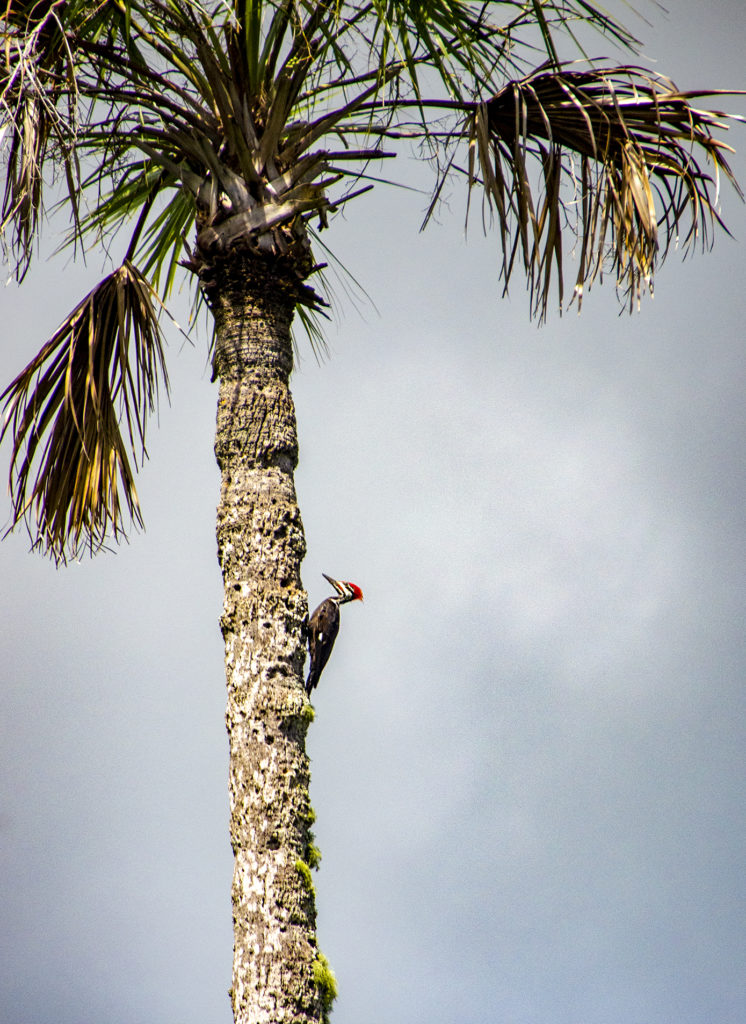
(22, 202)
(629, 146)
(78, 411)
(37, 121)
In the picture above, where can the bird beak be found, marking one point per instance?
(335, 583)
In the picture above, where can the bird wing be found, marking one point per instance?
(323, 627)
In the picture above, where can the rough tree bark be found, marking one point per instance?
(276, 965)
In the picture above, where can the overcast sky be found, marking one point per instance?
(528, 755)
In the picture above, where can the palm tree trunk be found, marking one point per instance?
(260, 547)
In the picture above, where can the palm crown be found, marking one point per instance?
(214, 128)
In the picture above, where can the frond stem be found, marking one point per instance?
(146, 206)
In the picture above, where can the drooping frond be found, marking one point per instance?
(77, 415)
(38, 118)
(611, 157)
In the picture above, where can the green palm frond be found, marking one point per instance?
(479, 45)
(77, 414)
(626, 144)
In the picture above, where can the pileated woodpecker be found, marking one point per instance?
(323, 627)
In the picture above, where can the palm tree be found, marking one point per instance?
(224, 136)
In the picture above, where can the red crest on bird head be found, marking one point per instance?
(346, 590)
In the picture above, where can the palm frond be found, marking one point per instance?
(22, 200)
(474, 44)
(77, 415)
(34, 59)
(40, 112)
(628, 148)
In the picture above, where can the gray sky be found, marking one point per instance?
(528, 762)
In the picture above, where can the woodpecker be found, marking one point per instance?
(323, 627)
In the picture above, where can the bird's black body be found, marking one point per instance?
(323, 627)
